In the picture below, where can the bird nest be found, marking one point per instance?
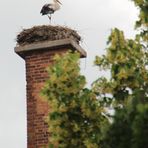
(46, 33)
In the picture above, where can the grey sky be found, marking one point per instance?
(92, 18)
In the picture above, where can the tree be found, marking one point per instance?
(75, 116)
(142, 23)
(127, 88)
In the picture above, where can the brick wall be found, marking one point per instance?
(37, 107)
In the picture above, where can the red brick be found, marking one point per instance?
(37, 107)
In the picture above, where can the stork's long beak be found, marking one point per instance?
(59, 2)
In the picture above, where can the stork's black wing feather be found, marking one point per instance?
(46, 9)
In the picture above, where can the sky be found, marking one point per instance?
(93, 19)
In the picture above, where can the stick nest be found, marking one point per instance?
(46, 33)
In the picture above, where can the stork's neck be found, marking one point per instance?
(55, 1)
(57, 5)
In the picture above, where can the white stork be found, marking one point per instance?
(50, 8)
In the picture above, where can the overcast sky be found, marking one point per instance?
(93, 19)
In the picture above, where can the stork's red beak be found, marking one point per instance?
(59, 2)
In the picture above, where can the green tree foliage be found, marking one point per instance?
(76, 116)
(140, 127)
(142, 23)
(127, 88)
(127, 61)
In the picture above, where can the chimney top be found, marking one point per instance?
(51, 45)
(48, 38)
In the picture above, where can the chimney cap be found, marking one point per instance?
(68, 43)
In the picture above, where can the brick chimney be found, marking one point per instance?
(37, 57)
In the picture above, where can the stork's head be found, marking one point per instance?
(58, 2)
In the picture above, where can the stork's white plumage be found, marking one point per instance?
(50, 8)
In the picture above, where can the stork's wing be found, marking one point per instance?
(46, 9)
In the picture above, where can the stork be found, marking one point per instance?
(50, 8)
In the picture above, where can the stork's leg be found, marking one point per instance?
(49, 18)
